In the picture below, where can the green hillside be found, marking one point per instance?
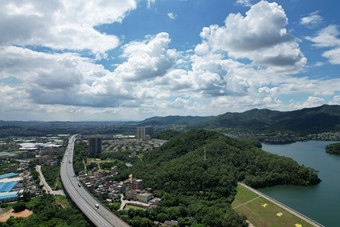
(200, 189)
(301, 122)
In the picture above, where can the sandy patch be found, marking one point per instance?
(5, 216)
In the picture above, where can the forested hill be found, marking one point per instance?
(325, 118)
(174, 120)
(205, 187)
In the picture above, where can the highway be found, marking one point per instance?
(99, 216)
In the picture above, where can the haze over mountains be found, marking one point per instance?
(305, 121)
(302, 122)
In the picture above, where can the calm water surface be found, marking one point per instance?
(320, 202)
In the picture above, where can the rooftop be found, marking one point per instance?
(6, 175)
(7, 187)
(5, 195)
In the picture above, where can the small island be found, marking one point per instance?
(333, 148)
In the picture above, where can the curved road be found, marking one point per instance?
(83, 199)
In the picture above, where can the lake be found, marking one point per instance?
(320, 202)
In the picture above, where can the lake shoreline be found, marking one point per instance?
(311, 199)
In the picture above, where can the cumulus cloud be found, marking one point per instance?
(148, 59)
(260, 36)
(179, 103)
(58, 71)
(61, 24)
(336, 100)
(312, 20)
(210, 76)
(69, 79)
(328, 38)
(309, 103)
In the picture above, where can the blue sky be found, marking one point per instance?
(133, 59)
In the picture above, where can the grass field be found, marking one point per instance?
(127, 207)
(260, 212)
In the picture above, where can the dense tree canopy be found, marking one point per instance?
(166, 134)
(333, 148)
(49, 210)
(199, 188)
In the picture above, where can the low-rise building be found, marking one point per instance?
(144, 197)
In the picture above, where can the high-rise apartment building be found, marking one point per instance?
(95, 145)
(144, 133)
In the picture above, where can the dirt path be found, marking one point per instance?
(46, 187)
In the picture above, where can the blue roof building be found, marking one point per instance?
(8, 196)
(7, 175)
(7, 186)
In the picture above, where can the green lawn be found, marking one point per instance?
(127, 207)
(243, 195)
(100, 160)
(261, 212)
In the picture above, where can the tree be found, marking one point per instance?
(19, 206)
(25, 196)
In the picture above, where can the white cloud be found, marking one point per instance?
(211, 76)
(68, 79)
(244, 2)
(309, 103)
(14, 98)
(179, 103)
(324, 93)
(312, 20)
(260, 36)
(335, 101)
(318, 64)
(328, 37)
(172, 16)
(333, 56)
(61, 24)
(150, 2)
(65, 79)
(148, 59)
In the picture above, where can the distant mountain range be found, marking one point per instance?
(324, 118)
(302, 122)
(174, 120)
